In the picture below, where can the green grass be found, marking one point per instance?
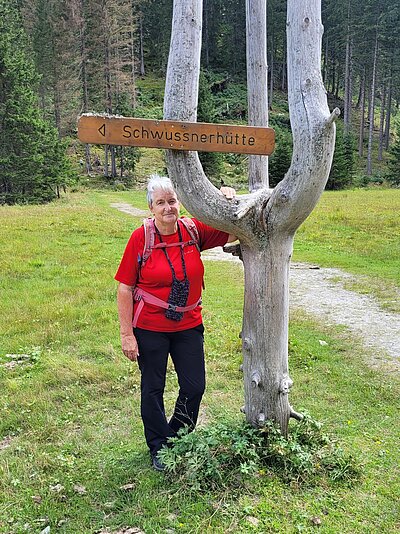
(357, 231)
(70, 416)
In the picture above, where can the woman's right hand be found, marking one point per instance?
(130, 347)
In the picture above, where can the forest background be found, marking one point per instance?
(62, 58)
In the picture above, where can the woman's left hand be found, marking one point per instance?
(228, 192)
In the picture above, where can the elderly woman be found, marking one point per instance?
(159, 295)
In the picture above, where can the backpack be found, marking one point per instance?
(150, 233)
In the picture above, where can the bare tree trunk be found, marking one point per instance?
(284, 69)
(362, 116)
(348, 77)
(206, 34)
(84, 78)
(389, 109)
(257, 83)
(382, 122)
(142, 69)
(133, 73)
(372, 109)
(57, 107)
(271, 79)
(265, 221)
(106, 161)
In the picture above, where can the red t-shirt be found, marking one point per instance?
(156, 276)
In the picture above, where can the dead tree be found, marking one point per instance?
(265, 220)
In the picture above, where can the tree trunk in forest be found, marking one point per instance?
(348, 89)
(284, 71)
(57, 106)
(106, 161)
(372, 109)
(206, 35)
(382, 122)
(133, 72)
(84, 77)
(362, 115)
(266, 220)
(389, 109)
(142, 69)
(271, 80)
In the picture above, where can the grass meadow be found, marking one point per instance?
(72, 454)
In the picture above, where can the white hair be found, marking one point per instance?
(158, 182)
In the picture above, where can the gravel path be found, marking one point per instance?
(320, 292)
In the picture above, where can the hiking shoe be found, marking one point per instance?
(157, 463)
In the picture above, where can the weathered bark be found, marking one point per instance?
(257, 83)
(265, 221)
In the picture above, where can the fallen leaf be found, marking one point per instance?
(6, 442)
(253, 520)
(81, 490)
(127, 487)
(37, 499)
(316, 521)
(57, 488)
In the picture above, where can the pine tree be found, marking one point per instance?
(33, 164)
(342, 171)
(279, 161)
(393, 175)
(212, 161)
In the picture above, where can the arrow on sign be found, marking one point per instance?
(102, 130)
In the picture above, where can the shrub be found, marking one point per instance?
(226, 453)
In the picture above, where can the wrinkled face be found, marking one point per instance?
(165, 207)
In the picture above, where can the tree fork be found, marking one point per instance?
(266, 220)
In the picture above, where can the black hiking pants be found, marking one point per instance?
(187, 353)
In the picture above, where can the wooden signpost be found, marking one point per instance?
(197, 136)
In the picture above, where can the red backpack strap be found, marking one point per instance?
(191, 227)
(149, 238)
(149, 233)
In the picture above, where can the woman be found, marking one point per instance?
(162, 267)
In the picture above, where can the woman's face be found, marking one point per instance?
(165, 207)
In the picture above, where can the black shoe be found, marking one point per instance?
(157, 463)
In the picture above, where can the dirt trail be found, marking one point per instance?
(321, 293)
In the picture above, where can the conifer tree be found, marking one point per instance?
(342, 170)
(393, 175)
(33, 164)
(212, 161)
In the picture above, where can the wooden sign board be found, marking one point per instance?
(199, 136)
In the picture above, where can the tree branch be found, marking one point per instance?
(312, 124)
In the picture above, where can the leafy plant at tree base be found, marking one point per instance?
(227, 453)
